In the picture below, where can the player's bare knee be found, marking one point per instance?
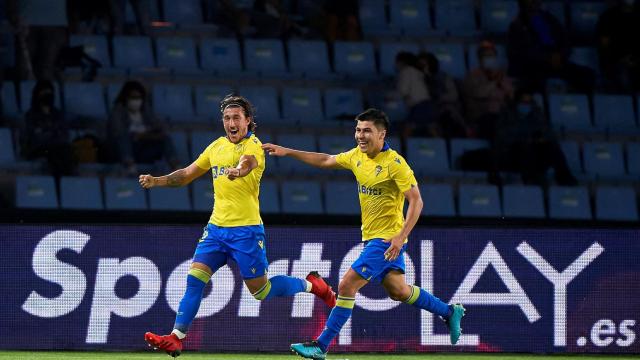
(346, 289)
(399, 293)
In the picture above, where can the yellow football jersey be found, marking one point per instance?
(382, 182)
(235, 202)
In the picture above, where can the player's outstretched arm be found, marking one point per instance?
(413, 213)
(244, 167)
(177, 178)
(320, 160)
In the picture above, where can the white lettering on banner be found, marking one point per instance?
(515, 296)
(249, 306)
(48, 267)
(560, 282)
(222, 285)
(627, 332)
(603, 327)
(106, 302)
(310, 260)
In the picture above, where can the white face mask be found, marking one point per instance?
(134, 104)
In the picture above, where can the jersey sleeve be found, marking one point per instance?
(203, 161)
(254, 147)
(402, 174)
(344, 159)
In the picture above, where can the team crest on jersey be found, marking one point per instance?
(255, 141)
(238, 147)
(378, 170)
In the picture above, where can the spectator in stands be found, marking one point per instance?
(230, 19)
(139, 136)
(46, 133)
(411, 86)
(486, 90)
(41, 31)
(538, 49)
(444, 94)
(342, 20)
(617, 30)
(141, 10)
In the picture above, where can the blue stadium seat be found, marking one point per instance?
(113, 90)
(373, 19)
(460, 146)
(26, 88)
(85, 100)
(394, 144)
(181, 145)
(200, 140)
(603, 159)
(473, 56)
(411, 16)
(173, 101)
(302, 105)
(36, 192)
(496, 15)
(301, 197)
(264, 56)
(124, 194)
(438, 200)
(586, 56)
(170, 199)
(633, 158)
(95, 46)
(390, 102)
(388, 51)
(133, 52)
(265, 102)
(304, 142)
(309, 58)
(341, 198)
(584, 16)
(80, 193)
(456, 17)
(208, 99)
(335, 144)
(355, 59)
(523, 201)
(9, 100)
(202, 194)
(451, 58)
(479, 201)
(269, 197)
(7, 150)
(428, 155)
(614, 113)
(572, 153)
(177, 53)
(556, 8)
(616, 203)
(221, 56)
(342, 103)
(569, 203)
(183, 11)
(569, 112)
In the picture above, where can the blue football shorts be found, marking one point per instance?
(371, 264)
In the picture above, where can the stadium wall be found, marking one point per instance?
(525, 290)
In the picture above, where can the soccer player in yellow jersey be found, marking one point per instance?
(384, 181)
(235, 231)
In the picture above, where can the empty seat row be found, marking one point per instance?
(333, 198)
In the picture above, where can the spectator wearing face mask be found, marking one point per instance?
(139, 136)
(486, 90)
(413, 89)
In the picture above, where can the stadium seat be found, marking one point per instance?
(387, 52)
(479, 201)
(221, 56)
(341, 198)
(584, 16)
(208, 99)
(132, 52)
(183, 11)
(614, 113)
(585, 56)
(428, 155)
(9, 100)
(460, 146)
(36, 192)
(569, 112)
(177, 53)
(633, 158)
(342, 103)
(309, 58)
(569, 203)
(390, 102)
(473, 56)
(173, 101)
(303, 142)
(616, 203)
(335, 144)
(438, 200)
(523, 201)
(200, 140)
(269, 197)
(496, 15)
(26, 89)
(264, 56)
(354, 59)
(113, 90)
(124, 194)
(265, 103)
(301, 197)
(451, 58)
(571, 151)
(302, 105)
(412, 17)
(95, 46)
(603, 159)
(202, 194)
(556, 8)
(85, 100)
(181, 145)
(169, 198)
(7, 148)
(456, 17)
(373, 19)
(80, 193)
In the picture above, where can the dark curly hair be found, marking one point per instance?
(378, 117)
(232, 101)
